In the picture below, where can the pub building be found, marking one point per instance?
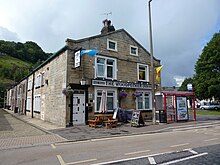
(67, 88)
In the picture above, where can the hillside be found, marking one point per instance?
(17, 60)
(12, 70)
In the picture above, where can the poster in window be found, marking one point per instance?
(181, 108)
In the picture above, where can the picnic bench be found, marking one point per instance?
(103, 118)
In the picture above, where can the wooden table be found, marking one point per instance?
(103, 118)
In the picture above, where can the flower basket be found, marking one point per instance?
(123, 94)
(67, 91)
(137, 94)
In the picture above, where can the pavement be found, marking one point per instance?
(23, 131)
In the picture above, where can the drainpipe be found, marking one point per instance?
(32, 98)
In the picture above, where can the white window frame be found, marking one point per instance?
(116, 45)
(143, 101)
(146, 72)
(38, 80)
(30, 83)
(115, 101)
(135, 47)
(28, 103)
(37, 103)
(42, 80)
(105, 67)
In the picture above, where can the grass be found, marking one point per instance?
(205, 112)
(208, 112)
(9, 62)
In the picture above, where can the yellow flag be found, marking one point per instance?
(158, 69)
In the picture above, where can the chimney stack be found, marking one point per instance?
(107, 27)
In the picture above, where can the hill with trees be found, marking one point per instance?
(16, 61)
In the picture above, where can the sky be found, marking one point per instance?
(181, 28)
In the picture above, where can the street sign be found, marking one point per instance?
(189, 87)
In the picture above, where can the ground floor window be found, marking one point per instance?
(143, 102)
(110, 94)
(37, 103)
(28, 104)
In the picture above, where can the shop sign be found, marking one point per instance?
(121, 84)
(77, 59)
(181, 108)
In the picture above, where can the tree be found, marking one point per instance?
(207, 68)
(183, 86)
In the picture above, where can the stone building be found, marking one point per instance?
(67, 88)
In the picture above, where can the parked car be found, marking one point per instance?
(210, 106)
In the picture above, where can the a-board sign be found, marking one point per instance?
(137, 119)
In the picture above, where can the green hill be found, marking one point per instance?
(12, 70)
(16, 62)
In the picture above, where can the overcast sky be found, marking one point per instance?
(181, 28)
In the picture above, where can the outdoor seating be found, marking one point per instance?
(111, 123)
(94, 122)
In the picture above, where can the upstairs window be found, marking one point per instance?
(30, 84)
(111, 45)
(133, 50)
(143, 72)
(105, 67)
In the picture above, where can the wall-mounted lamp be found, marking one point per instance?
(83, 81)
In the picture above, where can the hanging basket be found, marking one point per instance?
(137, 94)
(123, 94)
(67, 91)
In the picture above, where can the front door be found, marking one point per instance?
(79, 108)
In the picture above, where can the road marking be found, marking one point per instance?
(61, 160)
(178, 145)
(192, 151)
(187, 158)
(53, 146)
(151, 160)
(137, 152)
(82, 161)
(211, 139)
(134, 158)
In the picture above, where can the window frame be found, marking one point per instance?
(147, 73)
(114, 66)
(30, 83)
(115, 101)
(37, 103)
(132, 46)
(143, 100)
(28, 104)
(116, 45)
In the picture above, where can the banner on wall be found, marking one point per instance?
(181, 108)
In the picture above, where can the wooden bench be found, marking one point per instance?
(94, 122)
(111, 123)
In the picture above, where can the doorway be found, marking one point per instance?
(78, 115)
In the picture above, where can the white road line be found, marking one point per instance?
(183, 159)
(134, 158)
(192, 151)
(61, 160)
(178, 145)
(53, 146)
(137, 152)
(83, 161)
(151, 160)
(211, 139)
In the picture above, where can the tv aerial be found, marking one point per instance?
(110, 13)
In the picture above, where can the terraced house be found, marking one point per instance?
(66, 89)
